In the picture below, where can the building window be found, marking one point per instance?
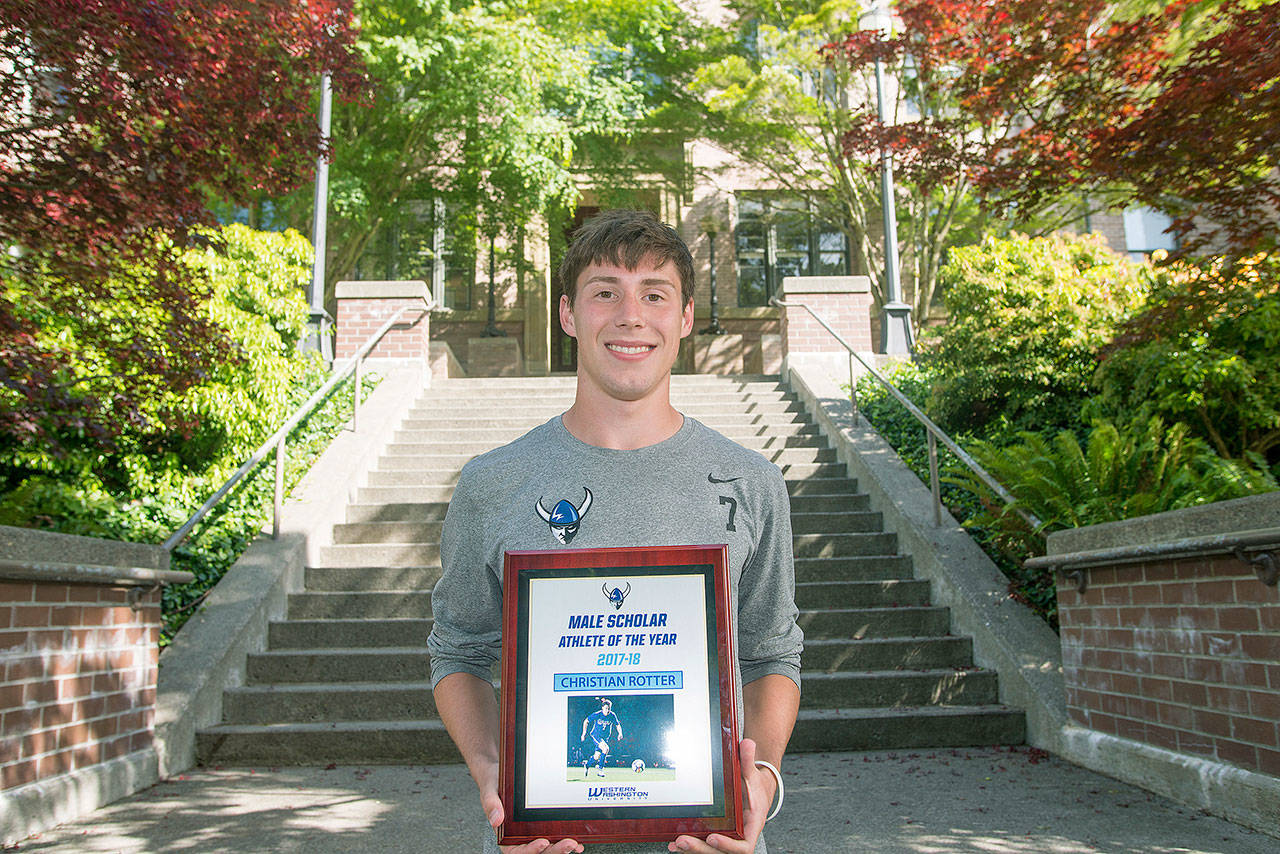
(777, 237)
(422, 242)
(1145, 231)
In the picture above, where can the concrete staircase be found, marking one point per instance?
(345, 678)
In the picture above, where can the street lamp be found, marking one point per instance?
(319, 231)
(895, 320)
(711, 225)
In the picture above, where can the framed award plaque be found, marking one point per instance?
(618, 710)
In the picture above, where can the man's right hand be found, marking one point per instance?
(492, 805)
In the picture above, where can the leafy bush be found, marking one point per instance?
(1205, 350)
(1027, 316)
(188, 443)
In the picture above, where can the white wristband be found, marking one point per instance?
(760, 763)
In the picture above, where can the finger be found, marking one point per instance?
(492, 806)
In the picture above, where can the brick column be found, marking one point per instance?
(844, 302)
(79, 651)
(364, 306)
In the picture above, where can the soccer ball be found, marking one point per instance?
(637, 766)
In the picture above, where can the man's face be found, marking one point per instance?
(628, 324)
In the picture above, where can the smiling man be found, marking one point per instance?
(645, 475)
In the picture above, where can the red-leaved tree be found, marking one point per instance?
(1038, 103)
(121, 120)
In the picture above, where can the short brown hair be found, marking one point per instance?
(626, 238)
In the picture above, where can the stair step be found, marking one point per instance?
(331, 579)
(315, 702)
(386, 532)
(831, 655)
(284, 635)
(853, 568)
(843, 503)
(812, 595)
(407, 511)
(390, 664)
(378, 605)
(821, 486)
(898, 688)
(819, 730)
(836, 523)
(440, 462)
(381, 554)
(404, 494)
(837, 545)
(422, 742)
(854, 623)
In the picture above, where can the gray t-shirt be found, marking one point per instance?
(695, 488)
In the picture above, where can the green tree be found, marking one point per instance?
(784, 103)
(490, 108)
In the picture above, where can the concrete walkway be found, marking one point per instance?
(987, 801)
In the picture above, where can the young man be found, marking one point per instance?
(644, 475)
(601, 726)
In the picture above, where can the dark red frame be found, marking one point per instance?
(599, 829)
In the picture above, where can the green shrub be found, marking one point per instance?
(1124, 471)
(163, 468)
(1027, 316)
(1204, 350)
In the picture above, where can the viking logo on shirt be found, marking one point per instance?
(565, 518)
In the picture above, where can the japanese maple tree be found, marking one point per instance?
(1041, 105)
(121, 120)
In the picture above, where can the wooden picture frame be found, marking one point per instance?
(619, 714)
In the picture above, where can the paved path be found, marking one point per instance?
(985, 801)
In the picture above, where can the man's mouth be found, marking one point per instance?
(631, 349)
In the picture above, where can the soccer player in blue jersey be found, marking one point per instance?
(600, 726)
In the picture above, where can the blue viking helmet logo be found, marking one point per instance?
(617, 595)
(565, 518)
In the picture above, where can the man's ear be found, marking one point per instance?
(686, 319)
(566, 317)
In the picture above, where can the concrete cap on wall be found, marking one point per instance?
(401, 289)
(792, 285)
(1251, 513)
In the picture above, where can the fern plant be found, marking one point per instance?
(1121, 472)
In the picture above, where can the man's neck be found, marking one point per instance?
(623, 425)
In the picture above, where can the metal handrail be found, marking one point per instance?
(1263, 544)
(933, 433)
(277, 438)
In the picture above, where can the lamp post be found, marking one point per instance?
(895, 319)
(711, 225)
(318, 337)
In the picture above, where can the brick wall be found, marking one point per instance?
(1179, 654)
(78, 671)
(360, 317)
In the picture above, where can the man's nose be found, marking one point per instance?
(630, 311)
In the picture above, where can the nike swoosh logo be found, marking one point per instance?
(726, 480)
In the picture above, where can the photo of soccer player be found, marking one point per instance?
(601, 727)
(619, 736)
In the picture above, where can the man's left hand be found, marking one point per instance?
(759, 787)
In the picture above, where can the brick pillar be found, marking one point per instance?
(844, 302)
(364, 306)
